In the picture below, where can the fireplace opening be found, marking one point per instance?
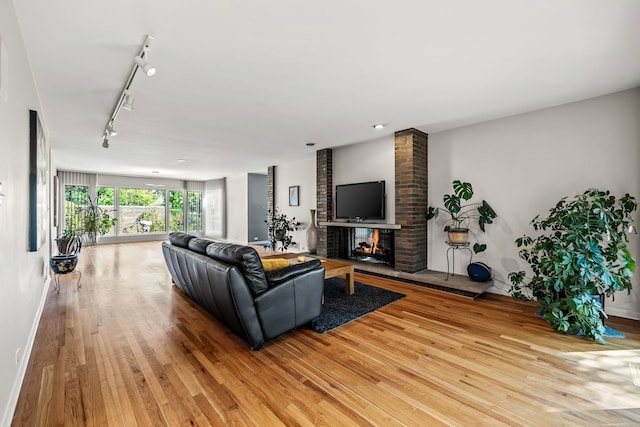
(373, 245)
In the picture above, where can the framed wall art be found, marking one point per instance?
(294, 195)
(38, 194)
(56, 195)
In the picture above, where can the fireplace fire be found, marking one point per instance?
(372, 245)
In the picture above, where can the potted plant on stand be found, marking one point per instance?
(97, 221)
(279, 226)
(461, 215)
(579, 256)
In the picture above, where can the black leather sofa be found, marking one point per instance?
(229, 281)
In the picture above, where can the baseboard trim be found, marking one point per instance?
(22, 369)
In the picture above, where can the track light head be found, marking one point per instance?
(128, 102)
(105, 142)
(147, 42)
(148, 69)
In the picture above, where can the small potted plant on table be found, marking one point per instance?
(279, 226)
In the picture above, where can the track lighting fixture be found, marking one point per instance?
(110, 130)
(148, 69)
(127, 104)
(126, 97)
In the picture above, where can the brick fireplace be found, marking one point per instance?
(370, 245)
(409, 240)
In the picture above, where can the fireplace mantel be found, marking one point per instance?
(361, 225)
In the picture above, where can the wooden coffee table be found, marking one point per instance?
(332, 268)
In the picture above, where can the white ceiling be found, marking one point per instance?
(244, 85)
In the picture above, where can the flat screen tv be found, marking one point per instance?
(361, 201)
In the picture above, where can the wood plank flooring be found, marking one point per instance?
(128, 349)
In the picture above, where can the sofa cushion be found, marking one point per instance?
(199, 245)
(180, 239)
(276, 277)
(271, 264)
(245, 258)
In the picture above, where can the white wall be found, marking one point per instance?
(365, 162)
(215, 212)
(23, 282)
(303, 174)
(237, 209)
(522, 165)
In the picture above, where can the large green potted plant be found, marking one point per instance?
(461, 214)
(97, 220)
(578, 257)
(280, 226)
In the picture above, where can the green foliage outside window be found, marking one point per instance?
(194, 211)
(141, 197)
(176, 210)
(157, 221)
(106, 196)
(77, 198)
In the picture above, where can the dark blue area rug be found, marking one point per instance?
(340, 308)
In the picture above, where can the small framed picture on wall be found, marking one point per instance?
(294, 195)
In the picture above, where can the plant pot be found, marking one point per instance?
(280, 235)
(458, 236)
(63, 264)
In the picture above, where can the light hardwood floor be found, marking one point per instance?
(129, 349)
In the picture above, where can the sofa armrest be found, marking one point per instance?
(283, 274)
(291, 303)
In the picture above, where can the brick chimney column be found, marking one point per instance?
(271, 188)
(411, 200)
(327, 237)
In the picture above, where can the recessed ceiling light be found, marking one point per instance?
(378, 126)
(311, 144)
(182, 160)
